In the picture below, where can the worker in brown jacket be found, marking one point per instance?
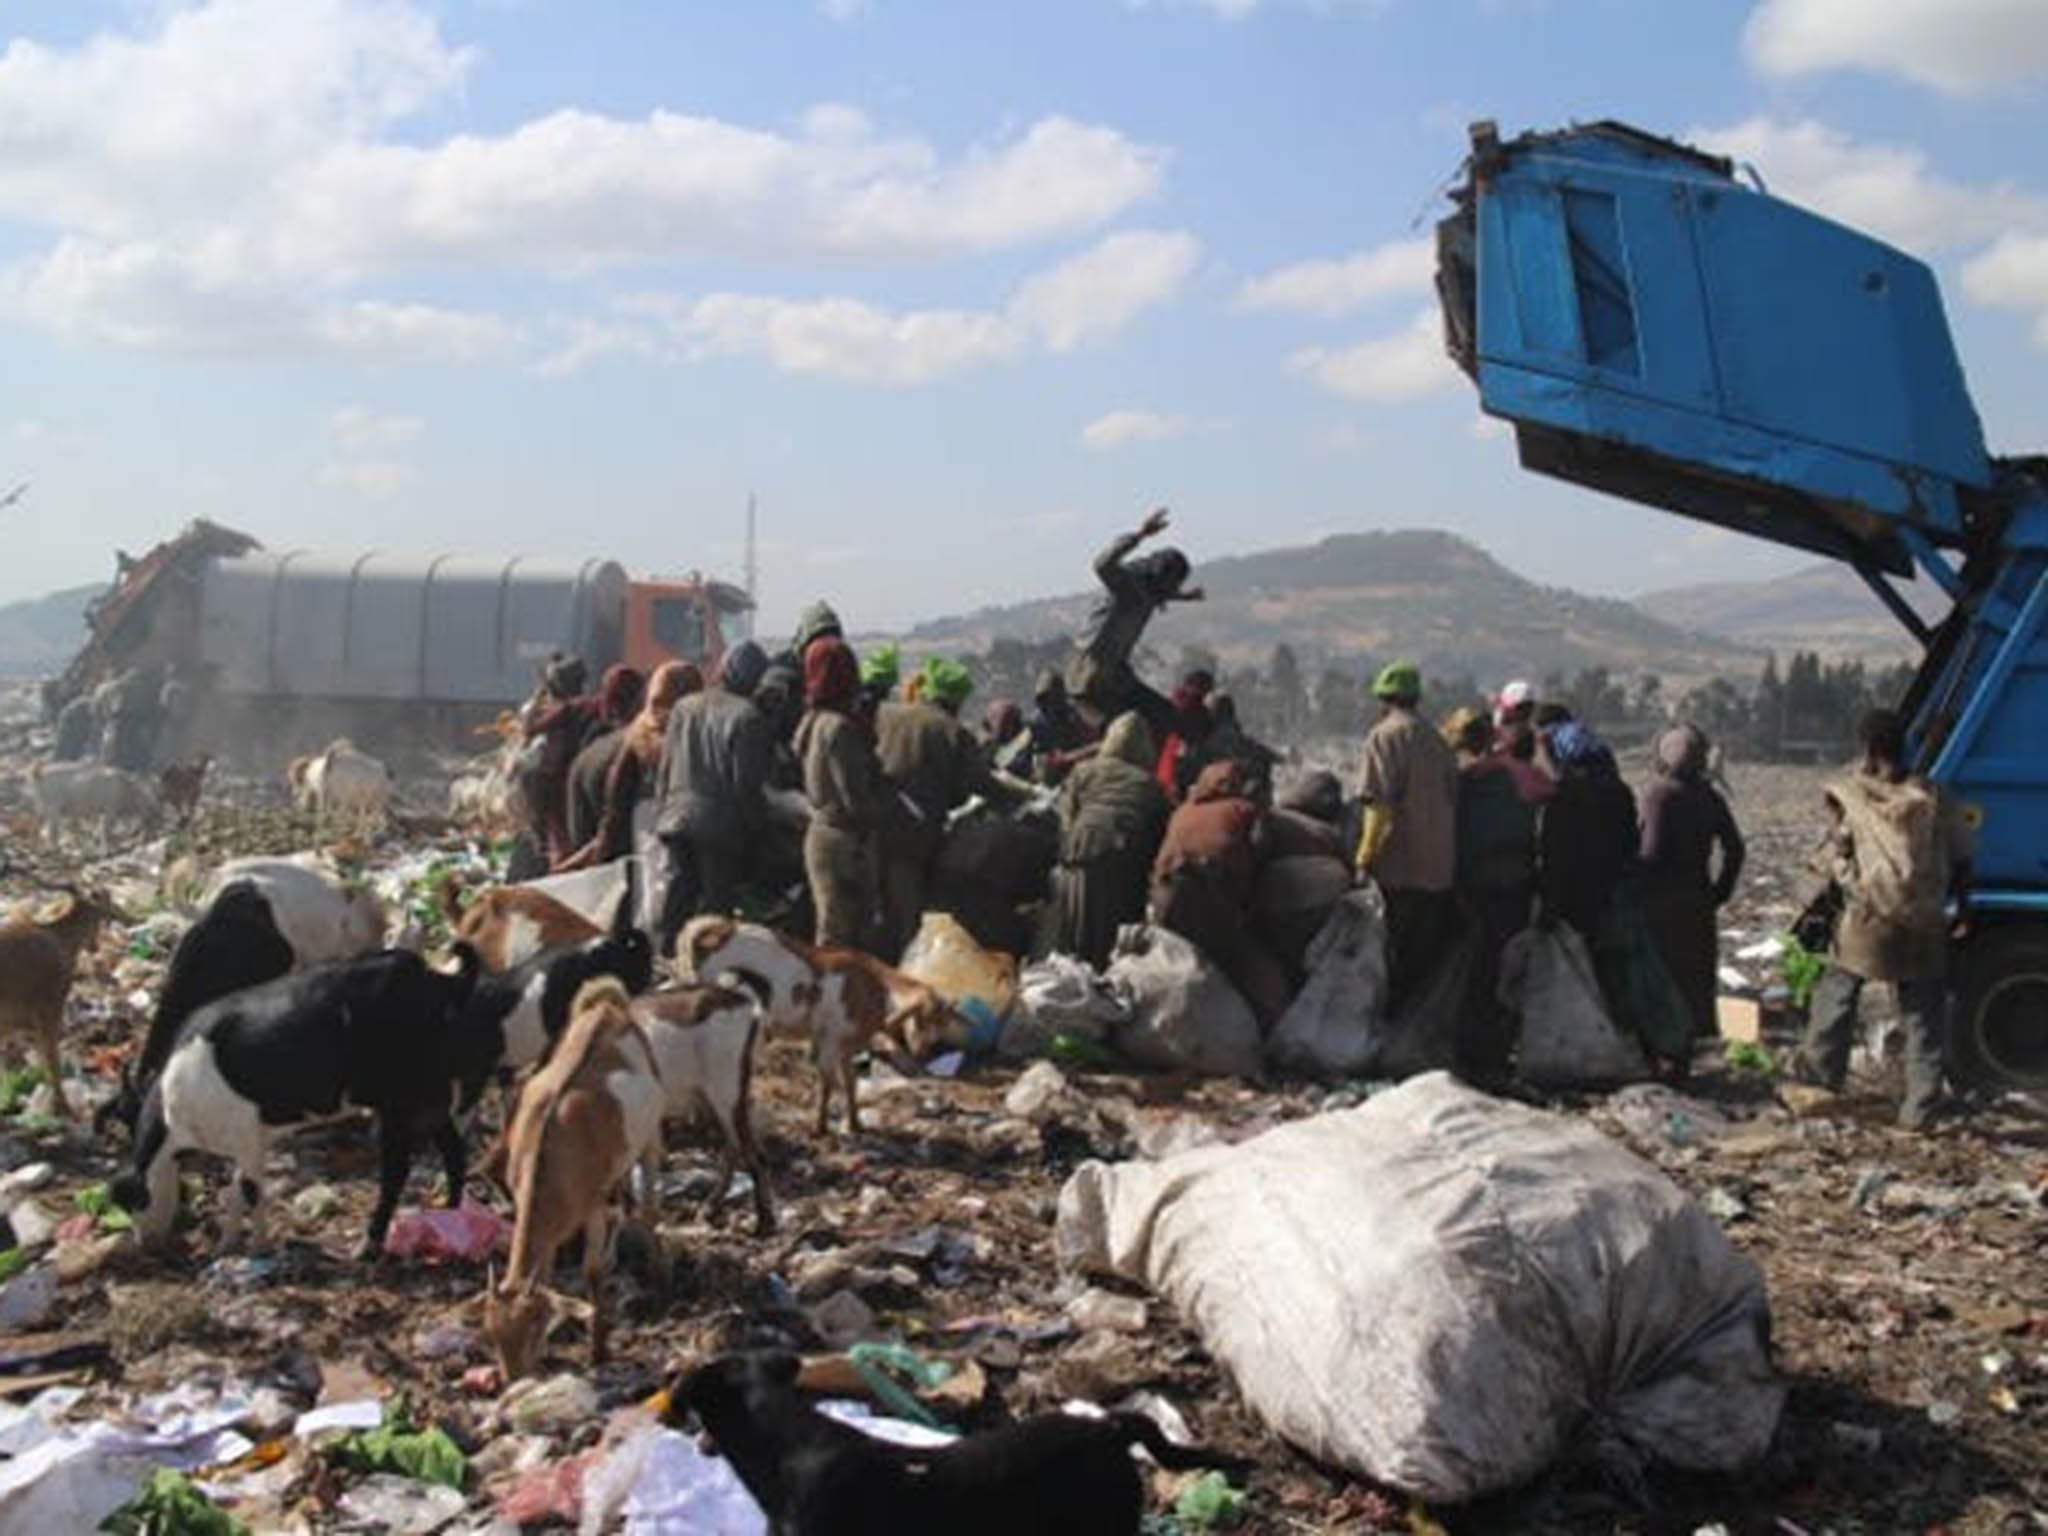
(843, 782)
(1202, 884)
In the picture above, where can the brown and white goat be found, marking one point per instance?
(510, 923)
(38, 963)
(582, 1122)
(844, 999)
(703, 1035)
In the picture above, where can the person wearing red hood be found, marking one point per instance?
(1203, 879)
(843, 782)
(1192, 724)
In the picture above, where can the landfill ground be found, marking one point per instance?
(1908, 1274)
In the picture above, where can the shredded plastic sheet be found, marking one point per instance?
(1448, 1292)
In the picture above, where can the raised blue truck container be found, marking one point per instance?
(1659, 328)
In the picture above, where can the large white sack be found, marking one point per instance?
(1333, 1026)
(1547, 981)
(1185, 1014)
(1448, 1292)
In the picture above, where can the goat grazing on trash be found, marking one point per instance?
(846, 1000)
(581, 1124)
(38, 964)
(815, 1476)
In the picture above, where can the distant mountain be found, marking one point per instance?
(1419, 593)
(1824, 608)
(38, 636)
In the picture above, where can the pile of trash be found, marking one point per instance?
(1249, 1257)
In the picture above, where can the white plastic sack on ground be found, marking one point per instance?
(1547, 981)
(1061, 995)
(1185, 1014)
(1448, 1292)
(1332, 1028)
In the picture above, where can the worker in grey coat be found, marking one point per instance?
(710, 790)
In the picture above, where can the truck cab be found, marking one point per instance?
(1658, 328)
(679, 618)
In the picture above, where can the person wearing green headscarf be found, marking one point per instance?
(1408, 844)
(1112, 815)
(933, 765)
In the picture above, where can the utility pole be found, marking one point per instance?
(753, 569)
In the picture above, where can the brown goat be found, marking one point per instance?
(582, 1121)
(179, 785)
(38, 962)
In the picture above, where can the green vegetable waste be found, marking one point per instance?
(169, 1505)
(397, 1445)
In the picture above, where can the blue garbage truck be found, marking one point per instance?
(1656, 325)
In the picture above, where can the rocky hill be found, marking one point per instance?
(1370, 596)
(38, 636)
(1824, 608)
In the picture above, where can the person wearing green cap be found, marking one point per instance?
(1408, 846)
(933, 765)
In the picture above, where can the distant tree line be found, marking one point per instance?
(1806, 709)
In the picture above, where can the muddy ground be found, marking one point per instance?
(1907, 1273)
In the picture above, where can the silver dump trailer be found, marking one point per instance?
(447, 629)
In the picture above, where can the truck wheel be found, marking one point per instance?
(1998, 1034)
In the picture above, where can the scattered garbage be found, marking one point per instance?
(548, 1405)
(402, 1506)
(945, 957)
(168, 1505)
(27, 1300)
(469, 1233)
(1501, 1330)
(1058, 997)
(1094, 1309)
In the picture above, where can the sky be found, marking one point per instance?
(956, 291)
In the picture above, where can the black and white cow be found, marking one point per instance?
(382, 1032)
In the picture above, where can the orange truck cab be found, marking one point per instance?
(679, 618)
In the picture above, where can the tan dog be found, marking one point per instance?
(844, 999)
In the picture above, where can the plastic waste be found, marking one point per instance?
(469, 1233)
(401, 1506)
(1185, 1014)
(548, 1405)
(1331, 1029)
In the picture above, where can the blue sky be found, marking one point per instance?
(957, 289)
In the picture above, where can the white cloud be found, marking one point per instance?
(2013, 273)
(1101, 290)
(1116, 428)
(1886, 189)
(1404, 366)
(1486, 429)
(1958, 46)
(843, 10)
(29, 430)
(245, 175)
(371, 479)
(1087, 298)
(356, 426)
(1331, 287)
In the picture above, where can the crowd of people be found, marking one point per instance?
(835, 777)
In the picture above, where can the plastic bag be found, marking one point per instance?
(945, 957)
(1061, 996)
(1185, 1014)
(1331, 1029)
(1547, 981)
(1448, 1292)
